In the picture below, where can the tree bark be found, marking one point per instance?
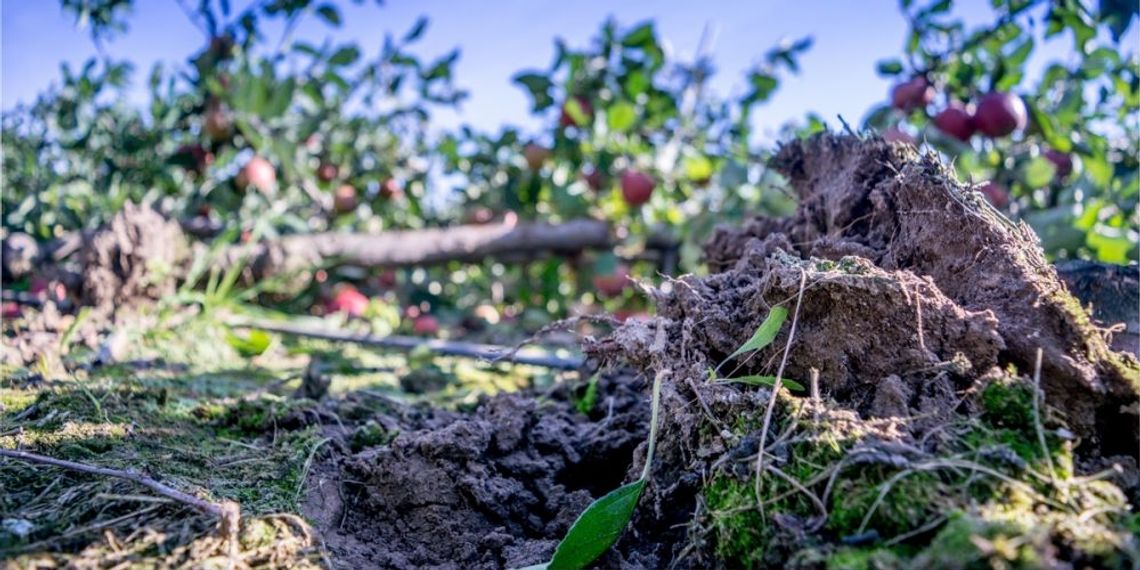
(419, 247)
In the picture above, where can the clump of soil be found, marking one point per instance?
(493, 488)
(136, 257)
(906, 213)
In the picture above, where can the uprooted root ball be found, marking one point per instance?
(920, 314)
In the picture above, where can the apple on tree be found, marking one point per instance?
(995, 193)
(912, 94)
(1000, 114)
(390, 189)
(955, 121)
(576, 112)
(593, 178)
(327, 171)
(612, 284)
(344, 200)
(636, 187)
(259, 173)
(536, 155)
(1062, 161)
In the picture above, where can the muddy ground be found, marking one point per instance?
(916, 311)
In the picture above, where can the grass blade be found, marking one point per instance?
(764, 335)
(758, 380)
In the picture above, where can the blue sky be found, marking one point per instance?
(500, 37)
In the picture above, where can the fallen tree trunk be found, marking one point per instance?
(142, 255)
(420, 247)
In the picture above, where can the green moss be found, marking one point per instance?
(262, 414)
(371, 434)
(740, 532)
(909, 501)
(971, 542)
(863, 559)
(1008, 403)
(15, 401)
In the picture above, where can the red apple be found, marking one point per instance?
(478, 216)
(344, 200)
(196, 158)
(536, 155)
(327, 171)
(216, 123)
(612, 285)
(995, 193)
(348, 300)
(895, 134)
(1062, 161)
(593, 178)
(259, 173)
(587, 111)
(38, 288)
(387, 279)
(956, 121)
(636, 187)
(999, 114)
(390, 189)
(10, 310)
(912, 94)
(425, 324)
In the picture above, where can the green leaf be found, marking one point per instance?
(763, 85)
(1037, 172)
(890, 67)
(597, 528)
(256, 343)
(765, 334)
(758, 380)
(417, 30)
(620, 117)
(698, 168)
(346, 55)
(539, 87)
(640, 36)
(330, 14)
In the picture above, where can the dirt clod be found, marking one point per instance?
(134, 258)
(490, 489)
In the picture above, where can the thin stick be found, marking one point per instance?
(485, 352)
(655, 405)
(228, 513)
(776, 390)
(1037, 394)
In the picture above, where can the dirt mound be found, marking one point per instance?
(136, 257)
(917, 304)
(493, 488)
(906, 213)
(917, 310)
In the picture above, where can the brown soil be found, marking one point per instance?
(906, 214)
(493, 488)
(137, 257)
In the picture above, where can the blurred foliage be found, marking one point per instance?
(273, 135)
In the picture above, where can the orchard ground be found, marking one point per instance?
(267, 318)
